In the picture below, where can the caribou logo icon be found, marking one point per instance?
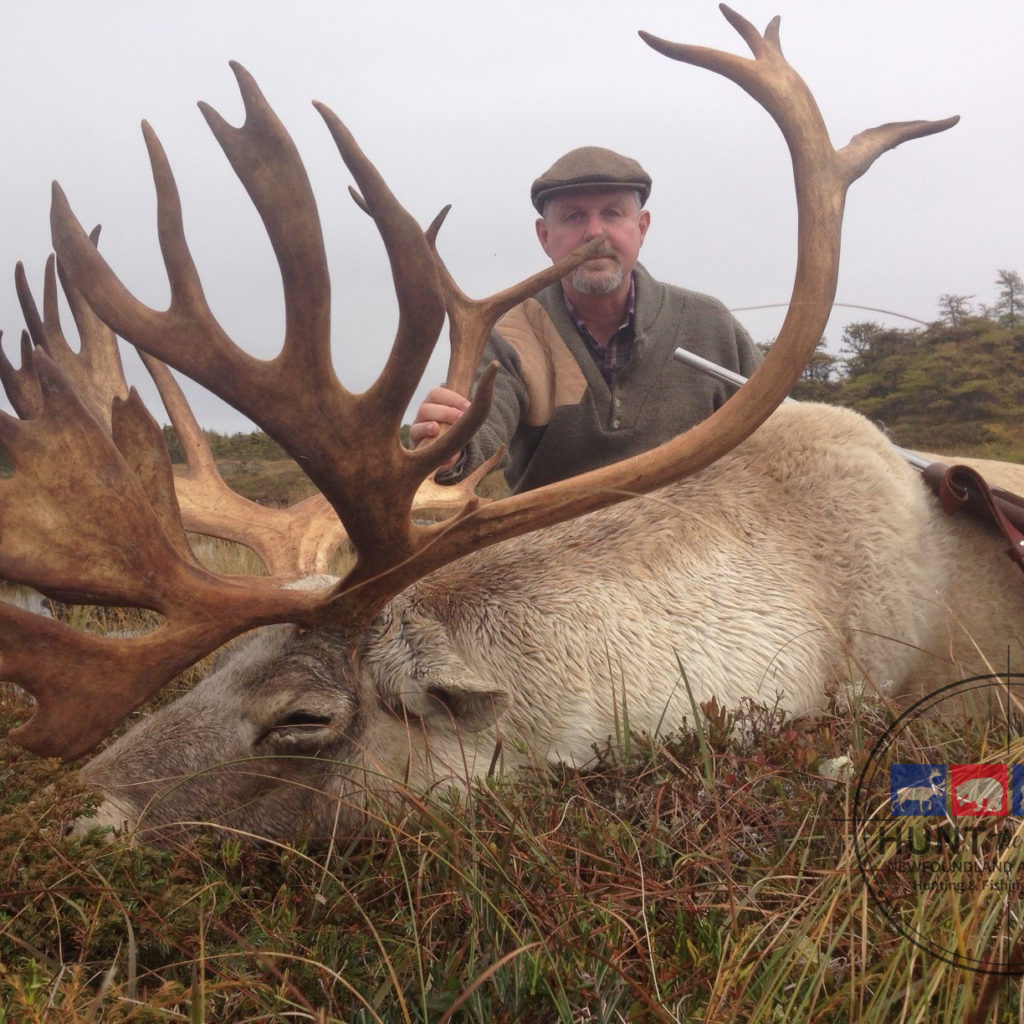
(918, 789)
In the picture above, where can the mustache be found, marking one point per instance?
(603, 283)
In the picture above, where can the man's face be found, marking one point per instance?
(573, 218)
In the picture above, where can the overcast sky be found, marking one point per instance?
(466, 102)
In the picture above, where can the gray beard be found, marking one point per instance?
(590, 285)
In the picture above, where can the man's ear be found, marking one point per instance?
(416, 671)
(541, 226)
(645, 223)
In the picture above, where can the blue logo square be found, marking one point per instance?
(917, 789)
(1017, 790)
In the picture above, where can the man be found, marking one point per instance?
(587, 374)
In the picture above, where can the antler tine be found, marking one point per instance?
(21, 385)
(99, 354)
(291, 542)
(470, 320)
(96, 369)
(417, 287)
(264, 158)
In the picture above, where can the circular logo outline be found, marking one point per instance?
(861, 817)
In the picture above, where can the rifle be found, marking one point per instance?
(957, 487)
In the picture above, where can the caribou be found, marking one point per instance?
(767, 554)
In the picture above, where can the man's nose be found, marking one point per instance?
(594, 227)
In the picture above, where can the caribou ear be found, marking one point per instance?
(468, 703)
(416, 671)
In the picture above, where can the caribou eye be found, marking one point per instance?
(301, 720)
(296, 731)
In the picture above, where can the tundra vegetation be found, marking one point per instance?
(707, 874)
(953, 385)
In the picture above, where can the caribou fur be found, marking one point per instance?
(809, 557)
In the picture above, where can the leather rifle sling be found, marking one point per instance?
(962, 487)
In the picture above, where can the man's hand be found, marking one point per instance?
(441, 408)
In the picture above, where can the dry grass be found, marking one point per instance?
(709, 875)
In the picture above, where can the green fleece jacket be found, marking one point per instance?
(557, 415)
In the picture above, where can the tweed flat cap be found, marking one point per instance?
(590, 167)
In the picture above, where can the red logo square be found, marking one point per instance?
(978, 790)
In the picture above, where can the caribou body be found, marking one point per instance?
(765, 564)
(808, 558)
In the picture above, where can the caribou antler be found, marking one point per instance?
(95, 369)
(354, 457)
(297, 388)
(292, 542)
(56, 535)
(470, 320)
(300, 540)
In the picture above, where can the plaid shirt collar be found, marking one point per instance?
(612, 357)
